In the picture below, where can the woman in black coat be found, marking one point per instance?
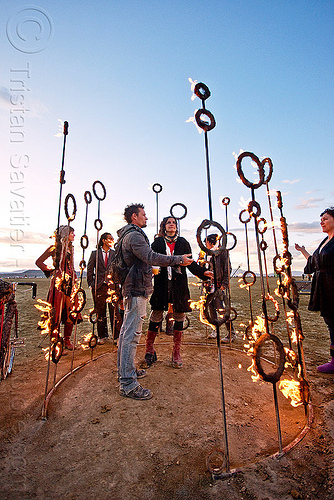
(170, 287)
(321, 265)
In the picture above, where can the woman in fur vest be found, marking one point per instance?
(170, 287)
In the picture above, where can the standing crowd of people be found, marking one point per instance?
(171, 255)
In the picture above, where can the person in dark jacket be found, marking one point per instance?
(170, 287)
(97, 270)
(223, 271)
(321, 265)
(139, 258)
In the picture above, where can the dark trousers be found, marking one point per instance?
(101, 305)
(330, 325)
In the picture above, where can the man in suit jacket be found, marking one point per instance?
(97, 270)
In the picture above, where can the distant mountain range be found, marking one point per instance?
(27, 273)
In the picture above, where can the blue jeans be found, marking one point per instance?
(134, 315)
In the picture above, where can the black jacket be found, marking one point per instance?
(180, 290)
(322, 290)
(101, 268)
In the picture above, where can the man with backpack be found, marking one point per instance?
(136, 287)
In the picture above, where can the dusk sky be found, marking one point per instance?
(118, 72)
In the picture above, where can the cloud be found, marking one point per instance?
(309, 203)
(304, 227)
(290, 182)
(34, 107)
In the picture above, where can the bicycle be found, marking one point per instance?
(9, 339)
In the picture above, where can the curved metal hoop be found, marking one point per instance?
(226, 201)
(57, 350)
(206, 224)
(234, 240)
(157, 188)
(201, 123)
(88, 197)
(98, 224)
(95, 183)
(245, 181)
(84, 241)
(216, 462)
(272, 377)
(240, 216)
(74, 211)
(271, 168)
(202, 91)
(178, 205)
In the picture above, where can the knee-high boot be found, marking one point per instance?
(67, 336)
(150, 354)
(176, 357)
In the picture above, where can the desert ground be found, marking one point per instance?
(96, 444)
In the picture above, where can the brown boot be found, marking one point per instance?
(67, 336)
(150, 355)
(176, 357)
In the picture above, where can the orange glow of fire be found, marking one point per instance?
(45, 321)
(291, 389)
(200, 304)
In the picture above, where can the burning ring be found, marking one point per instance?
(270, 298)
(245, 276)
(270, 163)
(251, 205)
(92, 341)
(210, 310)
(82, 264)
(206, 224)
(240, 216)
(98, 224)
(88, 197)
(84, 241)
(272, 377)
(100, 198)
(216, 462)
(234, 240)
(186, 323)
(80, 295)
(68, 216)
(178, 205)
(260, 170)
(226, 201)
(202, 91)
(278, 270)
(93, 317)
(201, 123)
(57, 350)
(265, 225)
(157, 188)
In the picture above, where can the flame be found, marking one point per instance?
(84, 344)
(291, 389)
(199, 304)
(44, 324)
(254, 374)
(192, 88)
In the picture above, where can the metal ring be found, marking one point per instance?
(271, 319)
(206, 224)
(82, 301)
(84, 241)
(186, 323)
(216, 462)
(235, 314)
(178, 205)
(92, 341)
(234, 238)
(91, 318)
(271, 168)
(82, 264)
(68, 216)
(246, 274)
(202, 91)
(157, 188)
(251, 205)
(265, 225)
(103, 189)
(248, 334)
(263, 245)
(245, 181)
(226, 201)
(57, 350)
(88, 197)
(278, 270)
(202, 124)
(272, 377)
(244, 212)
(210, 311)
(98, 224)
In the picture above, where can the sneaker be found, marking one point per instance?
(149, 360)
(141, 373)
(137, 393)
(227, 339)
(102, 340)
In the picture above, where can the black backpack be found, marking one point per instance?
(118, 269)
